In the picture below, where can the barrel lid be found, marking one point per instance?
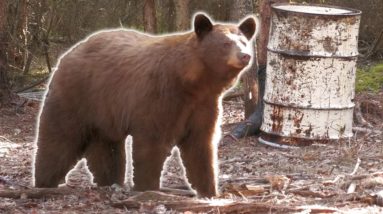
(316, 9)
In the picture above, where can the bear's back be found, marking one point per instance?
(119, 67)
(100, 57)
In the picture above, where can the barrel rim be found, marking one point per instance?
(353, 12)
(276, 136)
(302, 138)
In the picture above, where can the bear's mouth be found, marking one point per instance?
(239, 60)
(238, 64)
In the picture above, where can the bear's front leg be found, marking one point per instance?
(199, 152)
(149, 155)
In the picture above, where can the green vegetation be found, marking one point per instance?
(370, 78)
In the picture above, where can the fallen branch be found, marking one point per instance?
(309, 193)
(35, 193)
(337, 198)
(376, 157)
(375, 198)
(206, 206)
(244, 191)
(366, 130)
(249, 179)
(179, 192)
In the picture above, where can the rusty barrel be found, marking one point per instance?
(310, 76)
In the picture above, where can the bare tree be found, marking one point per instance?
(240, 9)
(166, 16)
(254, 79)
(5, 92)
(182, 14)
(150, 20)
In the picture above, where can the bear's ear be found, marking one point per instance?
(202, 25)
(247, 27)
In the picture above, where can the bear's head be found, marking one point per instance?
(225, 49)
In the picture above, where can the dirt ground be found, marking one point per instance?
(346, 177)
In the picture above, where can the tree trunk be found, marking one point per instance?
(169, 16)
(150, 21)
(241, 8)
(182, 14)
(249, 79)
(263, 35)
(254, 82)
(5, 92)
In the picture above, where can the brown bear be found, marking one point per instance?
(164, 91)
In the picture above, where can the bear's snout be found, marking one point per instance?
(245, 58)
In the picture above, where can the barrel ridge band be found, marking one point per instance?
(304, 54)
(307, 107)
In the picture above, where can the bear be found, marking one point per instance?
(165, 91)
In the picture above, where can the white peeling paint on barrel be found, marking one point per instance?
(314, 34)
(310, 75)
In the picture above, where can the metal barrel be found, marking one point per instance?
(310, 75)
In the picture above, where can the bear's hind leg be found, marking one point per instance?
(148, 161)
(106, 161)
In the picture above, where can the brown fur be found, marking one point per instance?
(164, 91)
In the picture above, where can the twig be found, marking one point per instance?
(232, 137)
(33, 84)
(356, 167)
(351, 188)
(46, 54)
(11, 183)
(371, 51)
(5, 139)
(336, 179)
(379, 198)
(359, 117)
(48, 63)
(230, 96)
(235, 160)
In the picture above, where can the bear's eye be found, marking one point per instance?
(242, 42)
(227, 44)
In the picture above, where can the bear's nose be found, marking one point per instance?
(245, 58)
